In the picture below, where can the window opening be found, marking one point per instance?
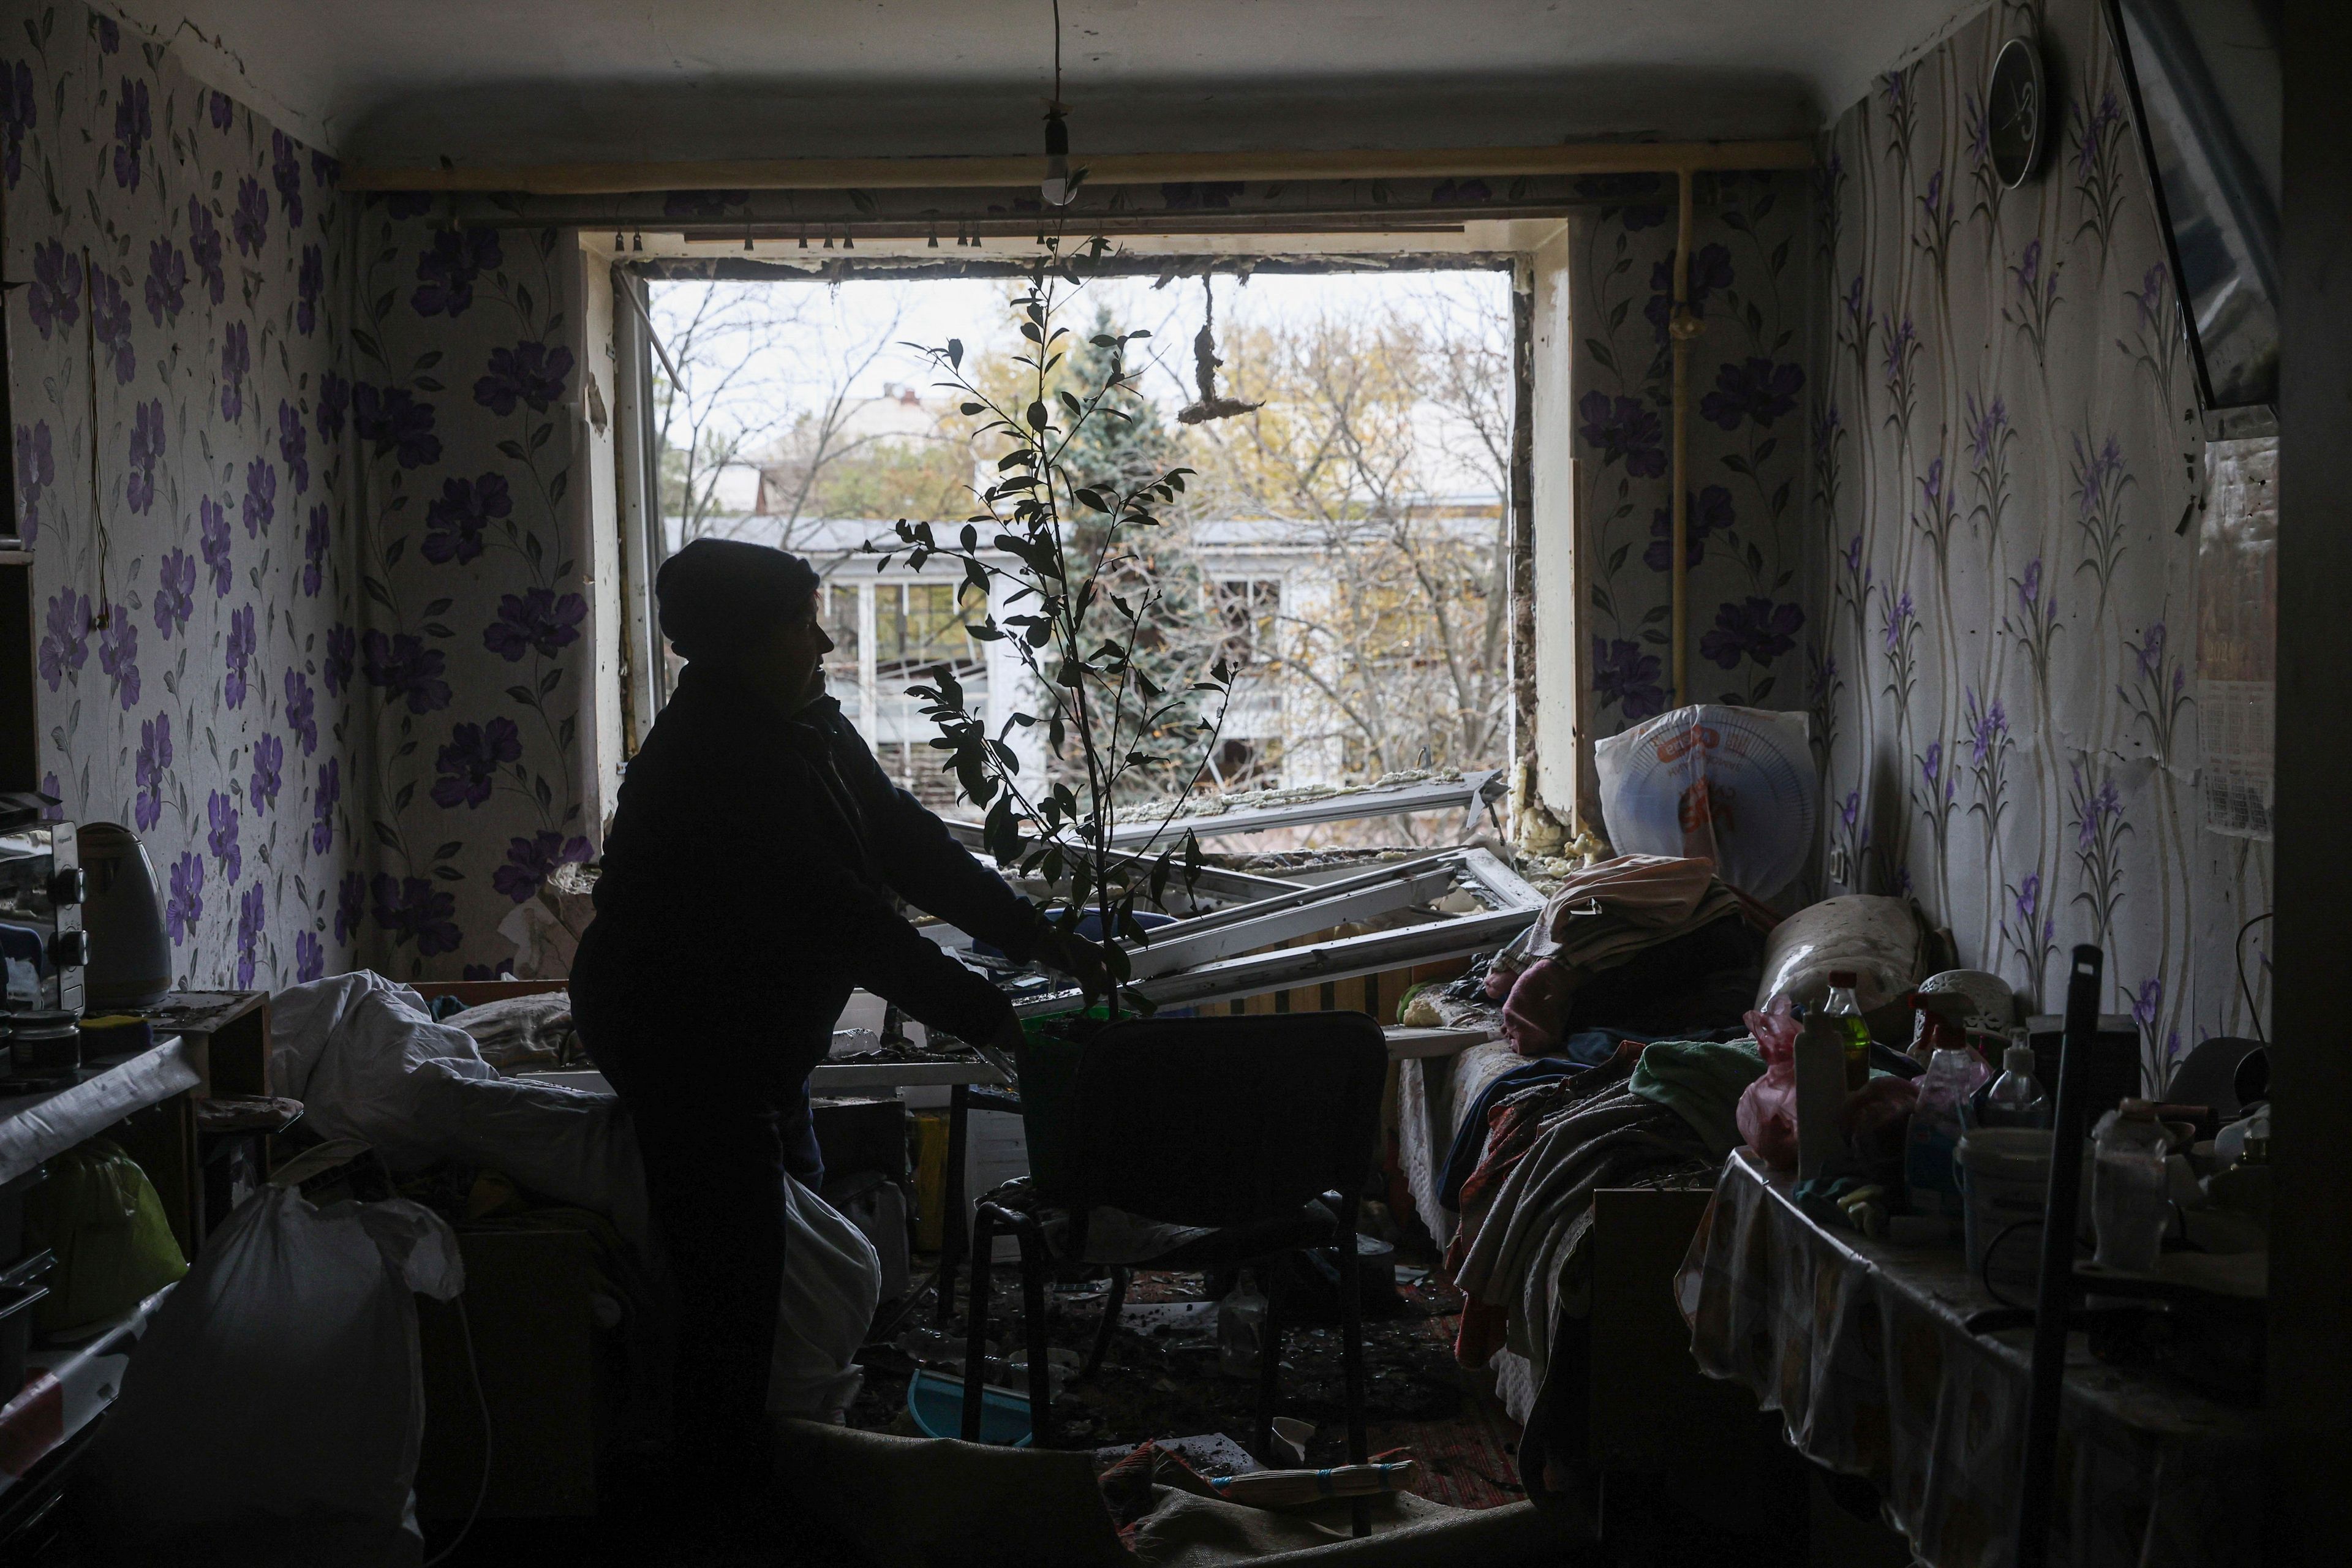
(1347, 545)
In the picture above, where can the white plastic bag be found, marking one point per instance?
(833, 1283)
(273, 1410)
(366, 1059)
(1732, 787)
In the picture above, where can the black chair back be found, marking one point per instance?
(1221, 1121)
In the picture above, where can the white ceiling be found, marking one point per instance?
(539, 80)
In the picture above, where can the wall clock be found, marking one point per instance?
(2015, 112)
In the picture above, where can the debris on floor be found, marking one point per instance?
(1160, 1379)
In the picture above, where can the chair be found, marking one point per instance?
(1256, 1133)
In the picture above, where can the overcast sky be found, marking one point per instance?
(846, 316)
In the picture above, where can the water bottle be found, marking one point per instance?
(2015, 1099)
(1845, 1014)
(1241, 1328)
(2130, 1209)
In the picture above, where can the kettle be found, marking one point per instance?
(129, 957)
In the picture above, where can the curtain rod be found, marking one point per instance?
(1117, 169)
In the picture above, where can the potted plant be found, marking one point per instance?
(1130, 716)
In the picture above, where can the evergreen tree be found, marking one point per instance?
(1129, 445)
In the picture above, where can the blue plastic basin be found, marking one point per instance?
(936, 1402)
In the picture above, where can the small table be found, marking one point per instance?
(1860, 1344)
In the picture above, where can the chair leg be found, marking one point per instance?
(975, 1376)
(1269, 1375)
(1033, 1311)
(953, 1236)
(1111, 1305)
(1351, 1349)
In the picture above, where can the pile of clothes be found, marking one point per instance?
(1652, 1114)
(1653, 945)
(1663, 1109)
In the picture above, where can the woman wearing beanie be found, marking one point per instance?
(750, 882)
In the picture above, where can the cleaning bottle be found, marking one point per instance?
(1844, 1016)
(2014, 1098)
(1241, 1328)
(1928, 1177)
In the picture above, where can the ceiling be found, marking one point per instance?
(570, 80)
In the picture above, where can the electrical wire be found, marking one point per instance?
(2254, 1008)
(481, 1492)
(101, 613)
(1984, 1267)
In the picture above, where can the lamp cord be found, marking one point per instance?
(2254, 1008)
(1057, 54)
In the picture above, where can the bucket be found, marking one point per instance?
(936, 1402)
(2005, 1178)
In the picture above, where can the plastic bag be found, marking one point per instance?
(1876, 1123)
(1767, 1115)
(1537, 1008)
(366, 1059)
(273, 1409)
(1876, 938)
(1733, 786)
(99, 1213)
(833, 1283)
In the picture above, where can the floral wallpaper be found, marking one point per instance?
(2005, 459)
(471, 633)
(178, 343)
(1746, 537)
(324, 653)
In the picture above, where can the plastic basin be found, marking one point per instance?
(936, 1402)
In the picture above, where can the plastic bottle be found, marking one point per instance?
(1819, 1064)
(2130, 1210)
(2015, 1098)
(1241, 1328)
(1927, 1172)
(1844, 1016)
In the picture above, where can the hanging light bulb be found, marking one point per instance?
(746, 239)
(620, 242)
(935, 235)
(803, 237)
(638, 243)
(828, 239)
(848, 241)
(1056, 187)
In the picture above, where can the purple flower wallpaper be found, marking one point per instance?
(470, 650)
(1748, 382)
(182, 655)
(326, 659)
(1998, 463)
